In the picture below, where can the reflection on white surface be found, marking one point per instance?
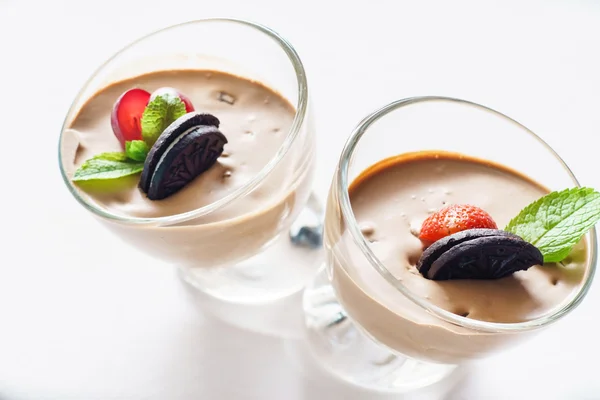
(301, 357)
(276, 319)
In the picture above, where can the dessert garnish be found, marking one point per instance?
(454, 218)
(187, 148)
(478, 254)
(165, 106)
(471, 248)
(166, 139)
(172, 92)
(162, 137)
(111, 165)
(126, 115)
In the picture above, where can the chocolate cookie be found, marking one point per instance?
(168, 137)
(478, 254)
(186, 158)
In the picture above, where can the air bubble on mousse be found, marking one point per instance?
(554, 281)
(252, 118)
(249, 133)
(413, 197)
(225, 154)
(367, 230)
(447, 191)
(227, 174)
(432, 210)
(226, 98)
(463, 313)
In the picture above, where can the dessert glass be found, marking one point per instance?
(263, 261)
(370, 338)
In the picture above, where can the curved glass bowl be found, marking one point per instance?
(208, 247)
(393, 320)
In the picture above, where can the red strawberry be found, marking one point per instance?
(452, 219)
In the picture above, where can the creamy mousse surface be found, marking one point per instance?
(254, 118)
(390, 201)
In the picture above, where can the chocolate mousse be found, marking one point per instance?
(186, 139)
(391, 200)
(254, 119)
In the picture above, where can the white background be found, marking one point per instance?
(84, 317)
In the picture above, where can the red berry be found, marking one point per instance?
(174, 92)
(189, 107)
(127, 114)
(452, 219)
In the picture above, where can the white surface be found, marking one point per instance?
(84, 317)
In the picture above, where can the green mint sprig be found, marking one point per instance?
(557, 221)
(137, 150)
(160, 113)
(107, 166)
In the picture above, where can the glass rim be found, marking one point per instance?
(342, 185)
(292, 135)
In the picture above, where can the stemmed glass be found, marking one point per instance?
(377, 338)
(268, 258)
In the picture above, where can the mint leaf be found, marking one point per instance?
(107, 166)
(137, 150)
(557, 221)
(112, 156)
(159, 114)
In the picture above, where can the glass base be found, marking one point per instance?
(345, 350)
(250, 292)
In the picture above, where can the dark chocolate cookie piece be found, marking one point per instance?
(478, 254)
(184, 159)
(439, 247)
(169, 135)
